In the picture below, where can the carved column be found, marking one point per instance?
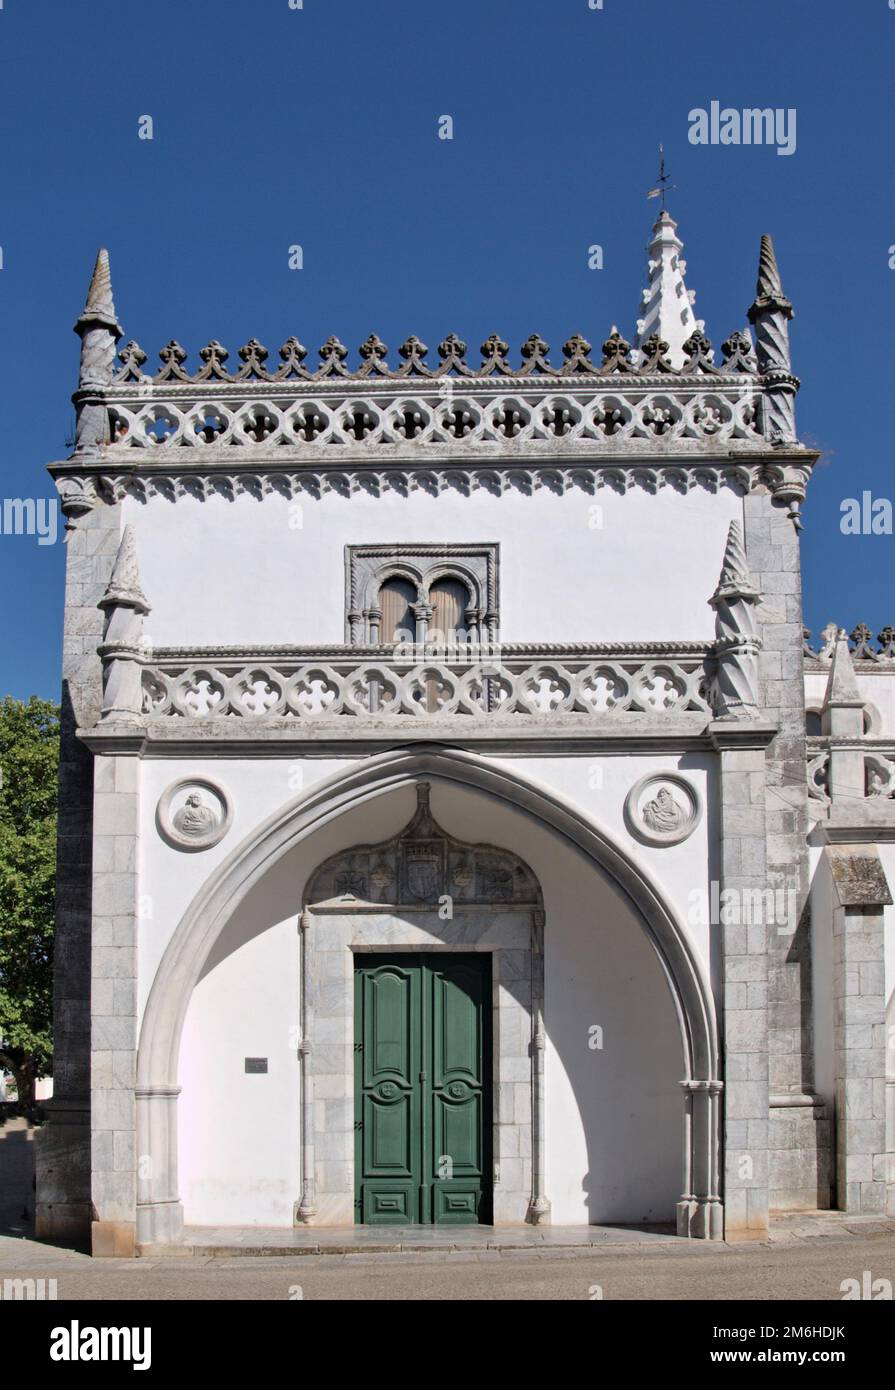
(159, 1208)
(422, 612)
(307, 1207)
(539, 1212)
(700, 1213)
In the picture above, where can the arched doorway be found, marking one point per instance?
(429, 950)
(159, 1208)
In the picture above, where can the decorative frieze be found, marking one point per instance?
(80, 491)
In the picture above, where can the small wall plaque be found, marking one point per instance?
(256, 1064)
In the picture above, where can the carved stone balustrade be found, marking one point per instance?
(879, 773)
(418, 684)
(314, 424)
(539, 692)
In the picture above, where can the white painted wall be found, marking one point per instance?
(614, 1115)
(597, 785)
(242, 572)
(877, 687)
(887, 855)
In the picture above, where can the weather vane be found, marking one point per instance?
(662, 181)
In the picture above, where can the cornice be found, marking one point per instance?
(282, 738)
(85, 481)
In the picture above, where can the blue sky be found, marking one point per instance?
(317, 126)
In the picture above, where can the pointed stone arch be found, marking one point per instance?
(159, 1211)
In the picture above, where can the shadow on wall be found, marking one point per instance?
(615, 1061)
(17, 1178)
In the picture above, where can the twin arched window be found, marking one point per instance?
(398, 621)
(432, 593)
(446, 622)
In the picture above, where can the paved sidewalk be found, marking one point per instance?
(204, 1245)
(223, 1241)
(228, 1242)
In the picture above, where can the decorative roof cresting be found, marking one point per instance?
(671, 401)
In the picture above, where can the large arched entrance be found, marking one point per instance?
(159, 1207)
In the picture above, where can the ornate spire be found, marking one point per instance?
(99, 310)
(735, 687)
(667, 303)
(735, 581)
(770, 314)
(99, 331)
(123, 589)
(769, 290)
(842, 686)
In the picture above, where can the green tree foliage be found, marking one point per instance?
(29, 765)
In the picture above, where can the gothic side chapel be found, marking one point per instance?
(382, 832)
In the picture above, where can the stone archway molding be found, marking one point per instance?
(159, 1210)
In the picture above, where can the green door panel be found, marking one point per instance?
(423, 1089)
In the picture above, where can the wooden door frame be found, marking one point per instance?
(429, 959)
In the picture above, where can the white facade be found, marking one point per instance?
(618, 712)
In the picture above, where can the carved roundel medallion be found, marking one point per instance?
(194, 813)
(663, 808)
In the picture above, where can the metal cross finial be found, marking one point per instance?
(662, 181)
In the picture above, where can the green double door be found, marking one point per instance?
(422, 1089)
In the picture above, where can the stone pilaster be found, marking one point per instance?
(113, 1005)
(63, 1144)
(745, 978)
(843, 718)
(800, 1157)
(859, 1024)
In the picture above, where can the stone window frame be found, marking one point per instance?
(367, 567)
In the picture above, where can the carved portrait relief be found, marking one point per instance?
(194, 814)
(663, 808)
